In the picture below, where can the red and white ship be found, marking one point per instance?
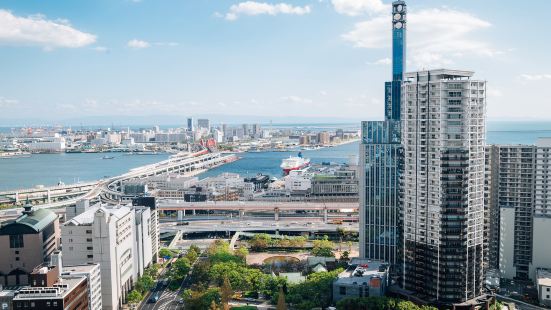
(294, 163)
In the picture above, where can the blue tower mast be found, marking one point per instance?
(393, 88)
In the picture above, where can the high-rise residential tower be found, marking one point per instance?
(443, 139)
(380, 155)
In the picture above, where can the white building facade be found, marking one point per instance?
(443, 139)
(118, 238)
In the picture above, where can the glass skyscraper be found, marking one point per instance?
(380, 196)
(381, 164)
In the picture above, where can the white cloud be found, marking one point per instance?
(101, 49)
(435, 36)
(135, 43)
(358, 7)
(535, 77)
(252, 8)
(296, 99)
(38, 31)
(494, 92)
(382, 61)
(171, 44)
(6, 102)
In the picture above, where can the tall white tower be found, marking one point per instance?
(443, 139)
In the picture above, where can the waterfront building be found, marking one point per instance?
(443, 139)
(190, 124)
(27, 242)
(257, 130)
(203, 123)
(48, 145)
(304, 140)
(324, 138)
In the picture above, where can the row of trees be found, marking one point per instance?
(378, 303)
(144, 284)
(227, 269)
(260, 242)
(323, 247)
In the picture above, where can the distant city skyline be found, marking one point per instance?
(324, 59)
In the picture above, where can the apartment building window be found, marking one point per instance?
(16, 241)
(88, 231)
(342, 290)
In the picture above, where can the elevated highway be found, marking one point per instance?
(110, 189)
(243, 207)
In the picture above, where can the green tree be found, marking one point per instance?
(166, 253)
(323, 247)
(242, 253)
(218, 246)
(297, 242)
(271, 285)
(200, 275)
(281, 305)
(152, 271)
(145, 283)
(191, 255)
(201, 299)
(226, 294)
(345, 256)
(314, 292)
(213, 306)
(134, 297)
(180, 268)
(260, 242)
(195, 249)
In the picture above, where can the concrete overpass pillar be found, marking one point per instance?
(49, 196)
(180, 215)
(276, 214)
(16, 197)
(241, 213)
(193, 211)
(325, 215)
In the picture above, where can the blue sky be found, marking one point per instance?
(320, 58)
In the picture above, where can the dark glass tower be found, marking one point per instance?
(381, 161)
(393, 89)
(380, 196)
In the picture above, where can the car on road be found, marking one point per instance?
(154, 298)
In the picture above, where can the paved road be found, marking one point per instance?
(295, 224)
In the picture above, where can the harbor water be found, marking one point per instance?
(49, 169)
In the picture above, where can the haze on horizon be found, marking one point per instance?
(314, 60)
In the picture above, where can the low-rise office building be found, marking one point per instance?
(543, 282)
(49, 291)
(27, 242)
(363, 278)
